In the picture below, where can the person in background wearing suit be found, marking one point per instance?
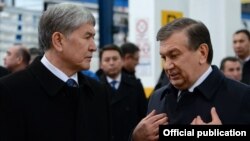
(128, 101)
(130, 58)
(17, 58)
(241, 46)
(51, 99)
(198, 92)
(231, 67)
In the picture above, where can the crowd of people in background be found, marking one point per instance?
(114, 99)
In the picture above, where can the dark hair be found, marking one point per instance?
(229, 58)
(196, 32)
(245, 31)
(24, 52)
(110, 47)
(35, 51)
(129, 48)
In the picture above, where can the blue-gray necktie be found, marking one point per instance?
(72, 83)
(113, 83)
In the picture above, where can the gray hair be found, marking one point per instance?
(63, 18)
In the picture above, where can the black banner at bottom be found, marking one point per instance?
(199, 132)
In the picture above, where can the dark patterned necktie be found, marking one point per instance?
(113, 83)
(72, 83)
(183, 92)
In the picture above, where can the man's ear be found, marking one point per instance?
(203, 49)
(19, 59)
(57, 38)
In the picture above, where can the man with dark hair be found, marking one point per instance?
(130, 58)
(231, 67)
(128, 101)
(241, 46)
(51, 100)
(198, 92)
(17, 58)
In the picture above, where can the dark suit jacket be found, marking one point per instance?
(35, 105)
(128, 106)
(246, 73)
(230, 98)
(3, 71)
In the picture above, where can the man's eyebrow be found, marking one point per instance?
(90, 33)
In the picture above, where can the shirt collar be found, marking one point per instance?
(248, 58)
(207, 87)
(118, 78)
(201, 79)
(57, 72)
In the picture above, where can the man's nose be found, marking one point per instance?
(93, 45)
(168, 64)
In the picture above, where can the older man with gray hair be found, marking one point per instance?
(51, 99)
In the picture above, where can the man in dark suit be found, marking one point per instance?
(17, 58)
(130, 58)
(51, 100)
(198, 93)
(241, 46)
(128, 101)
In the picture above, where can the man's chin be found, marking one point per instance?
(176, 83)
(85, 67)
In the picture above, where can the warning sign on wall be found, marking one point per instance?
(142, 40)
(168, 16)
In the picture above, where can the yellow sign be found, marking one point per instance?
(168, 16)
(245, 1)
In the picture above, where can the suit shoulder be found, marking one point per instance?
(236, 89)
(236, 85)
(16, 78)
(94, 84)
(159, 92)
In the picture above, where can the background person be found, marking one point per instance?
(231, 67)
(241, 46)
(130, 58)
(127, 99)
(17, 58)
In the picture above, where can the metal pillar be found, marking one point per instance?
(105, 22)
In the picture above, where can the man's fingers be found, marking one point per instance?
(157, 117)
(152, 113)
(215, 117)
(199, 121)
(194, 121)
(162, 121)
(214, 114)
